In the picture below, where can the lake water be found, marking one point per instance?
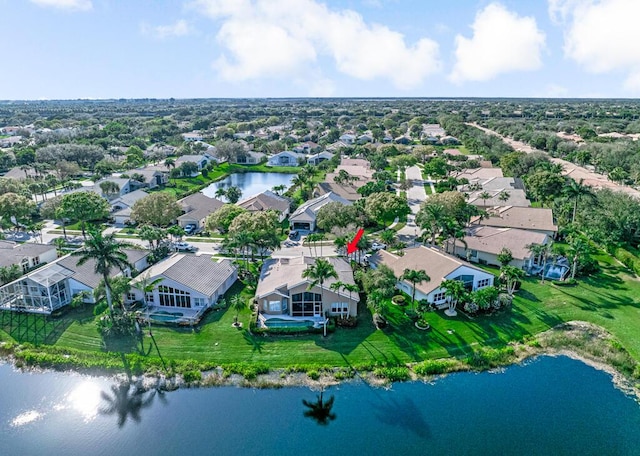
(548, 406)
(250, 183)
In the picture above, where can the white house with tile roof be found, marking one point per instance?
(189, 283)
(438, 266)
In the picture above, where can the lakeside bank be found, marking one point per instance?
(582, 341)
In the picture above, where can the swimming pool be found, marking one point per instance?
(166, 316)
(282, 323)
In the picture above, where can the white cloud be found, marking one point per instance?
(179, 28)
(265, 38)
(502, 42)
(554, 91)
(71, 5)
(601, 36)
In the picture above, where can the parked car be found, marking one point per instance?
(183, 247)
(378, 246)
(190, 228)
(294, 235)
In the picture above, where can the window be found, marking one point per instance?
(274, 306)
(150, 298)
(306, 304)
(474, 254)
(467, 279)
(439, 297)
(484, 283)
(131, 297)
(36, 261)
(199, 302)
(25, 264)
(172, 297)
(340, 308)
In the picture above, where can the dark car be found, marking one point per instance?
(294, 235)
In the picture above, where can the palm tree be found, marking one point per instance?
(279, 189)
(504, 196)
(511, 275)
(341, 243)
(455, 291)
(318, 272)
(577, 191)
(415, 277)
(541, 252)
(430, 217)
(578, 248)
(320, 410)
(484, 196)
(238, 304)
(337, 286)
(233, 194)
(320, 237)
(220, 192)
(388, 237)
(146, 286)
(107, 253)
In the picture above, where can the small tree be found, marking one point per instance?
(505, 256)
(415, 277)
(511, 275)
(455, 292)
(238, 304)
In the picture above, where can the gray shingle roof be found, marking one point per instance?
(85, 273)
(14, 253)
(201, 273)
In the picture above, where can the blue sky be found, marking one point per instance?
(62, 49)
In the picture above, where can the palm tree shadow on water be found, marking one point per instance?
(320, 409)
(126, 401)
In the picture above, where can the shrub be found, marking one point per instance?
(192, 376)
(471, 307)
(313, 374)
(393, 374)
(435, 367)
(491, 357)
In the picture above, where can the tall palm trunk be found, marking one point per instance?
(107, 290)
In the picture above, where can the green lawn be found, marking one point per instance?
(609, 299)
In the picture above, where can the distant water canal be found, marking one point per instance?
(549, 406)
(250, 183)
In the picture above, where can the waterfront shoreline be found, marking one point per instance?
(544, 344)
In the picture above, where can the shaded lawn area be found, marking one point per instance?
(609, 299)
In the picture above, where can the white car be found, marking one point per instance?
(378, 246)
(183, 247)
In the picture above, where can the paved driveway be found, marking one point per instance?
(415, 196)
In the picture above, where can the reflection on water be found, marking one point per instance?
(85, 399)
(320, 410)
(26, 418)
(126, 401)
(250, 183)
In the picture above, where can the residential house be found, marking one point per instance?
(267, 201)
(499, 197)
(348, 139)
(483, 244)
(154, 176)
(188, 283)
(124, 186)
(537, 219)
(365, 139)
(319, 157)
(10, 141)
(10, 130)
(304, 218)
(432, 130)
(201, 160)
(284, 158)
(249, 157)
(438, 266)
(479, 174)
(347, 191)
(196, 209)
(307, 147)
(53, 285)
(282, 291)
(28, 256)
(192, 136)
(121, 207)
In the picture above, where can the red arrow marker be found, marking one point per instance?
(353, 245)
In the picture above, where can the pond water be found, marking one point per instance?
(548, 406)
(250, 183)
